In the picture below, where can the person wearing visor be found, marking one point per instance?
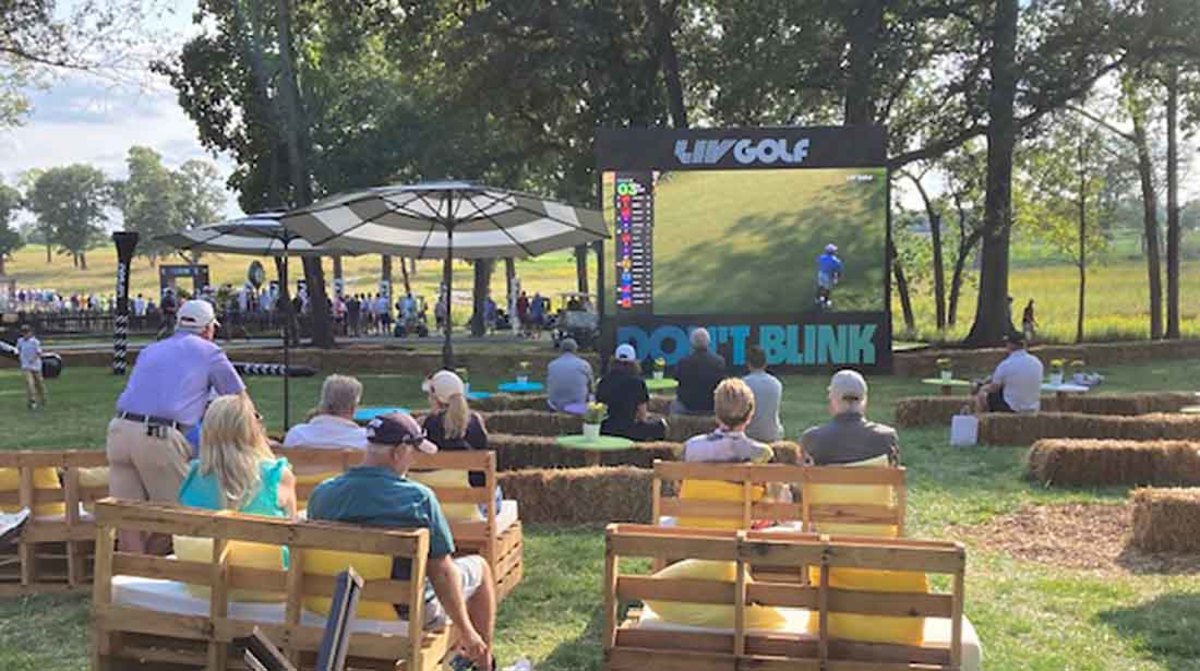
(378, 493)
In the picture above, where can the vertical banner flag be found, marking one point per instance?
(126, 242)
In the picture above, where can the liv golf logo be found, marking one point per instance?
(745, 152)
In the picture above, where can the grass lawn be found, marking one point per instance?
(1029, 616)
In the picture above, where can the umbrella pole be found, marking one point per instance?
(447, 348)
(287, 344)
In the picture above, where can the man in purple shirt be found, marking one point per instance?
(166, 394)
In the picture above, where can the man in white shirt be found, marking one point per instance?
(1016, 386)
(333, 424)
(29, 352)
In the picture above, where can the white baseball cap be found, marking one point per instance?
(443, 385)
(626, 352)
(830, 248)
(195, 315)
(848, 385)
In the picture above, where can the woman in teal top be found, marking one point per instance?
(236, 469)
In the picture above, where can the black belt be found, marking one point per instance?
(149, 420)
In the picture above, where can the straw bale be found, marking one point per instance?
(929, 410)
(1025, 429)
(497, 402)
(937, 410)
(1073, 462)
(546, 423)
(520, 452)
(1166, 520)
(581, 495)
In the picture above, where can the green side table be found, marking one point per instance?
(594, 446)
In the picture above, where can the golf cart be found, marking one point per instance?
(576, 318)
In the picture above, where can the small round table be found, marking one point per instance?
(594, 446)
(661, 384)
(521, 387)
(1065, 389)
(364, 415)
(1191, 410)
(478, 395)
(946, 385)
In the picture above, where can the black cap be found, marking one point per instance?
(1015, 338)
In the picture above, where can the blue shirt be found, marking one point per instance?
(830, 264)
(204, 491)
(379, 497)
(172, 379)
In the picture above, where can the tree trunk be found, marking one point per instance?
(1173, 203)
(48, 244)
(1082, 243)
(581, 274)
(83, 260)
(1149, 221)
(404, 276)
(483, 282)
(338, 276)
(965, 247)
(863, 29)
(664, 27)
(910, 323)
(939, 268)
(3, 258)
(992, 321)
(286, 314)
(510, 273)
(385, 271)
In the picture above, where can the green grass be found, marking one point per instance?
(1029, 616)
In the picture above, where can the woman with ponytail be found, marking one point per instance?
(451, 424)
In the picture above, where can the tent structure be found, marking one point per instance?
(445, 220)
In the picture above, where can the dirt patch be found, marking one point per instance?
(1077, 536)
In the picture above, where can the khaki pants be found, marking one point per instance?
(145, 467)
(35, 387)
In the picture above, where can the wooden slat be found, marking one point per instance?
(160, 568)
(701, 508)
(691, 548)
(861, 602)
(755, 473)
(846, 513)
(895, 556)
(840, 475)
(476, 495)
(52, 458)
(46, 531)
(642, 588)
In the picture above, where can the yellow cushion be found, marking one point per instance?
(43, 478)
(715, 490)
(710, 615)
(873, 628)
(308, 481)
(241, 553)
(872, 495)
(96, 477)
(370, 567)
(450, 479)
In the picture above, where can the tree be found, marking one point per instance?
(10, 238)
(483, 279)
(150, 201)
(201, 196)
(70, 201)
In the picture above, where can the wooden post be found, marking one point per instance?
(75, 559)
(26, 552)
(218, 602)
(106, 538)
(416, 602)
(295, 599)
(739, 602)
(611, 569)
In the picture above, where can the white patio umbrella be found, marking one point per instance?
(445, 220)
(259, 234)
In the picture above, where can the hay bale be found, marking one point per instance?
(580, 496)
(929, 410)
(522, 452)
(502, 402)
(1076, 463)
(532, 423)
(682, 427)
(1166, 520)
(1025, 429)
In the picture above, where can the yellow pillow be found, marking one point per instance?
(715, 490)
(873, 628)
(241, 553)
(43, 478)
(710, 615)
(872, 495)
(450, 479)
(370, 567)
(310, 480)
(92, 478)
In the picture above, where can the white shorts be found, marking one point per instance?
(825, 280)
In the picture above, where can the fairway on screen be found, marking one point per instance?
(744, 242)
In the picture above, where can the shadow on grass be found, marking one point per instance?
(1164, 628)
(582, 653)
(1164, 563)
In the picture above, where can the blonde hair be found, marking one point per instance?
(232, 443)
(456, 417)
(734, 402)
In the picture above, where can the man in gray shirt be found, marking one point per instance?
(569, 378)
(768, 394)
(849, 437)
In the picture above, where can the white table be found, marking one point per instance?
(1063, 390)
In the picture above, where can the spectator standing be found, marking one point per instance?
(1029, 322)
(164, 398)
(733, 401)
(354, 315)
(331, 425)
(29, 355)
(624, 391)
(698, 373)
(168, 307)
(1016, 384)
(849, 438)
(537, 314)
(768, 396)
(384, 309)
(523, 313)
(569, 378)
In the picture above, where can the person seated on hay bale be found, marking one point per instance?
(733, 401)
(624, 391)
(331, 425)
(1016, 384)
(765, 426)
(236, 469)
(377, 493)
(451, 424)
(849, 438)
(569, 379)
(698, 373)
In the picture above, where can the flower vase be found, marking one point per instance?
(1056, 378)
(591, 432)
(947, 375)
(658, 375)
(522, 379)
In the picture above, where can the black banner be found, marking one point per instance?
(741, 148)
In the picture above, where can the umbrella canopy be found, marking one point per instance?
(420, 220)
(445, 220)
(258, 234)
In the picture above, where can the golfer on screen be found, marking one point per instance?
(829, 272)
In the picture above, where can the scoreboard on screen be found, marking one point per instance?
(697, 194)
